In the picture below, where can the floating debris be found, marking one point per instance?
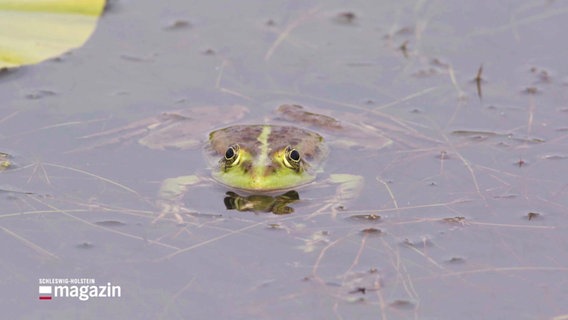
(409, 30)
(362, 290)
(274, 226)
(479, 135)
(456, 260)
(479, 80)
(85, 245)
(404, 48)
(424, 73)
(209, 52)
(419, 244)
(372, 231)
(402, 304)
(554, 157)
(110, 223)
(357, 300)
(533, 215)
(506, 196)
(439, 63)
(443, 155)
(455, 220)
(5, 162)
(531, 91)
(347, 18)
(542, 75)
(365, 217)
(178, 24)
(39, 94)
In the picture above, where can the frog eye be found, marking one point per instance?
(232, 154)
(292, 158)
(294, 155)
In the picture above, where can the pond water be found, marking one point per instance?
(464, 216)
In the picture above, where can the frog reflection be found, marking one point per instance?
(262, 202)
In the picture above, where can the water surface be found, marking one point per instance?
(464, 216)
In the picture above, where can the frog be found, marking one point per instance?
(262, 164)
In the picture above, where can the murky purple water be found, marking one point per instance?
(472, 196)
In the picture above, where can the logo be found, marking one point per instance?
(44, 292)
(82, 289)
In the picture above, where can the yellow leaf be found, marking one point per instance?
(35, 30)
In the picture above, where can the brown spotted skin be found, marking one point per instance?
(308, 143)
